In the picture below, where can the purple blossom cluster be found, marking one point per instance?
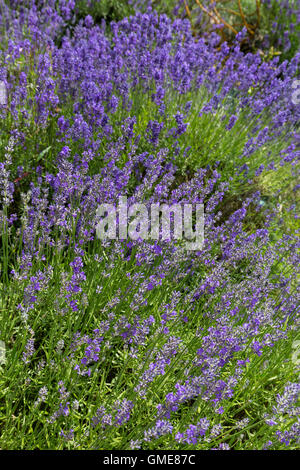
(183, 325)
(285, 24)
(285, 417)
(100, 76)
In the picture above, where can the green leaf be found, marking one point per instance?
(43, 153)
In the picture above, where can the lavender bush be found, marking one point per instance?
(140, 344)
(272, 27)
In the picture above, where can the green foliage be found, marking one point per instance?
(109, 10)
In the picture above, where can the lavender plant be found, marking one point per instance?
(271, 26)
(142, 344)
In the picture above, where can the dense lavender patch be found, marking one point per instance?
(142, 344)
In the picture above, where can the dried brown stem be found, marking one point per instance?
(188, 12)
(233, 12)
(216, 9)
(207, 11)
(229, 26)
(244, 19)
(258, 12)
